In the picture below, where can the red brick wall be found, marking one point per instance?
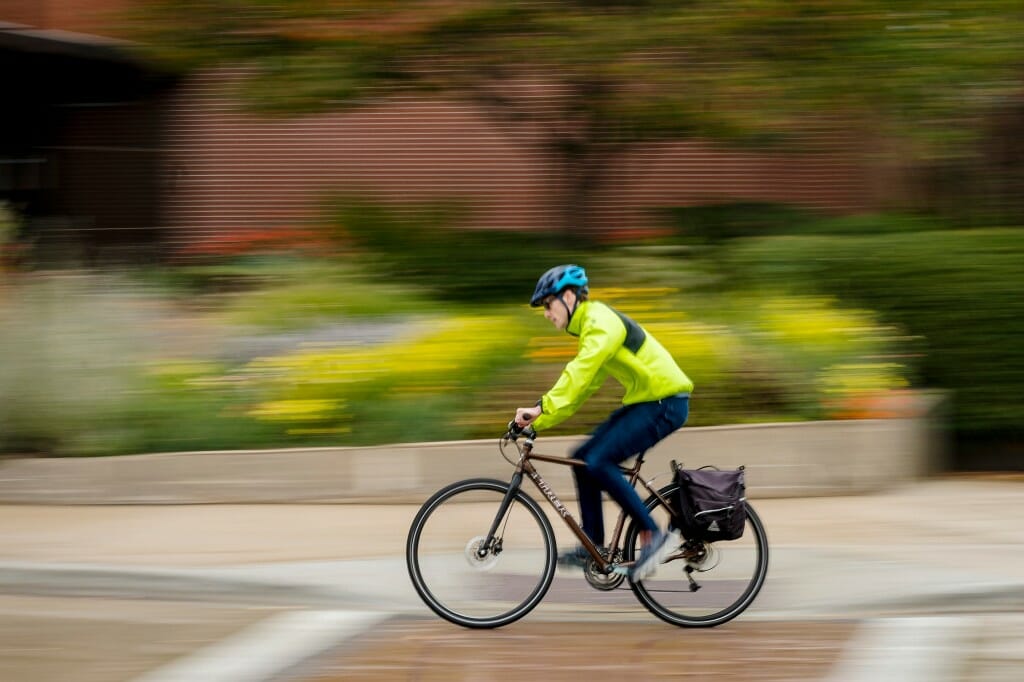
(697, 172)
(29, 12)
(83, 16)
(229, 169)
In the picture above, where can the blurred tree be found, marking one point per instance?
(585, 78)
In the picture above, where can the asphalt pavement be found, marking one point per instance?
(931, 574)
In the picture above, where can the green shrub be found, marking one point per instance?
(961, 292)
(419, 246)
(300, 304)
(717, 223)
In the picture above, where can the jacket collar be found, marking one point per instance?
(576, 321)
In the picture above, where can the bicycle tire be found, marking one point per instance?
(463, 587)
(731, 573)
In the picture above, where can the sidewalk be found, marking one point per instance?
(943, 541)
(943, 546)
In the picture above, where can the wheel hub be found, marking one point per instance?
(478, 557)
(700, 555)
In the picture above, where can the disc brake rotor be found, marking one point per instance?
(481, 563)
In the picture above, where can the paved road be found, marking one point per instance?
(47, 639)
(569, 651)
(923, 580)
(58, 639)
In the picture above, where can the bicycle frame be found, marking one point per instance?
(525, 467)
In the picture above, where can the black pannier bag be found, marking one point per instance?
(712, 503)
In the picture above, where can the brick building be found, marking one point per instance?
(98, 149)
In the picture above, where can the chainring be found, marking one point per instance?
(603, 581)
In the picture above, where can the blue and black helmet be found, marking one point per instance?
(555, 280)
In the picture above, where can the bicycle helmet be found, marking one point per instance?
(555, 280)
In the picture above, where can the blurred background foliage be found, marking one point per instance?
(386, 336)
(285, 349)
(383, 325)
(960, 291)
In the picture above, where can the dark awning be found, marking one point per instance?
(65, 43)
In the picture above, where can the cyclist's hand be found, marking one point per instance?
(526, 415)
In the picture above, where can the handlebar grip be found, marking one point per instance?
(514, 430)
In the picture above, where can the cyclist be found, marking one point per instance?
(656, 403)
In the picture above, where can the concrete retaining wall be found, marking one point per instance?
(783, 460)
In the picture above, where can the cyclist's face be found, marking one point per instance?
(557, 313)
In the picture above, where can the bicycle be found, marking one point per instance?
(481, 553)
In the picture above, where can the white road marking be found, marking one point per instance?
(266, 649)
(912, 649)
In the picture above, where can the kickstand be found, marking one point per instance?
(694, 585)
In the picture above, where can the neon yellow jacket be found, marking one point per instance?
(610, 344)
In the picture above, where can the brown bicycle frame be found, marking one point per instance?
(525, 466)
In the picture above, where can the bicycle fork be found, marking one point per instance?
(492, 542)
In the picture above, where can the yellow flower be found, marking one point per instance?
(294, 410)
(812, 321)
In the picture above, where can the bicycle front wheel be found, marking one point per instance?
(727, 575)
(465, 579)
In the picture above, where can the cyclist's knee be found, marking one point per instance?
(599, 468)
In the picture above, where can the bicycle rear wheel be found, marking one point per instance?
(729, 574)
(469, 584)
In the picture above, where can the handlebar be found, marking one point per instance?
(514, 431)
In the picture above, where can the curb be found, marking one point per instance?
(88, 580)
(793, 459)
(85, 580)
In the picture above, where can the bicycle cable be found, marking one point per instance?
(502, 442)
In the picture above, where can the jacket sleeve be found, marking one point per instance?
(551, 418)
(600, 338)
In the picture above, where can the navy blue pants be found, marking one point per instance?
(628, 431)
